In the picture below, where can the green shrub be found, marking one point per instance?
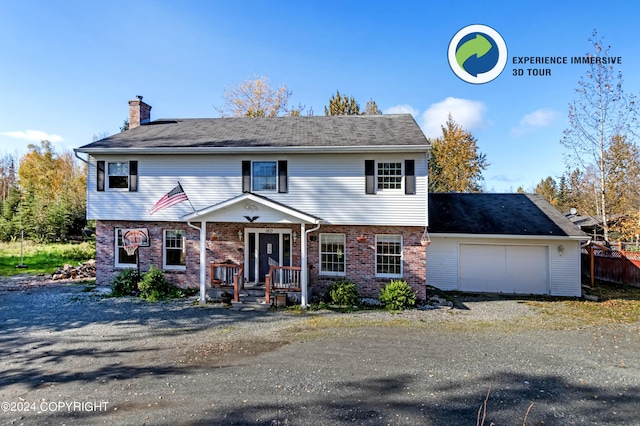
(397, 295)
(343, 293)
(155, 286)
(126, 283)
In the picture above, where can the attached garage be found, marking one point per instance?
(522, 269)
(502, 243)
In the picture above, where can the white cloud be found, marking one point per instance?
(507, 178)
(531, 121)
(401, 109)
(467, 113)
(33, 136)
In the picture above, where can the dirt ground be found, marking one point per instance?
(69, 355)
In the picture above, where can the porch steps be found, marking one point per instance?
(248, 305)
(252, 298)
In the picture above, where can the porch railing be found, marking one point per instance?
(282, 279)
(228, 275)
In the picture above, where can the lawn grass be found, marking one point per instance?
(42, 258)
(617, 304)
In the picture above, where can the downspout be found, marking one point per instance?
(75, 153)
(203, 258)
(303, 261)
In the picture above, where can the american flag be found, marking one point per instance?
(175, 196)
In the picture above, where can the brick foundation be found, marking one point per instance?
(360, 267)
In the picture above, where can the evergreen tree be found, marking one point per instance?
(455, 165)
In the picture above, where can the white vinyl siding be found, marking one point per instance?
(328, 186)
(332, 254)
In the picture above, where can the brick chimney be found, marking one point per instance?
(139, 112)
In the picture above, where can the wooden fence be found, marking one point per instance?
(615, 266)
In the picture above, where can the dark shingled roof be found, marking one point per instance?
(497, 214)
(331, 131)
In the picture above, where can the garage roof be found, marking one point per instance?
(497, 214)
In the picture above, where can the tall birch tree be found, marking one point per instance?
(602, 112)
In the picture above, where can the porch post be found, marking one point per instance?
(203, 261)
(303, 266)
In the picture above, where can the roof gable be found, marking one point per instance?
(279, 132)
(497, 214)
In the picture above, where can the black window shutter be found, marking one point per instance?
(246, 176)
(409, 177)
(282, 176)
(133, 176)
(370, 176)
(100, 176)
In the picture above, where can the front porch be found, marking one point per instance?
(251, 241)
(279, 281)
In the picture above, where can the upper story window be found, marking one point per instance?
(380, 176)
(264, 176)
(389, 176)
(118, 175)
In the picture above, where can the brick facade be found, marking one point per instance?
(360, 256)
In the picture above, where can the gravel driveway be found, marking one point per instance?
(69, 356)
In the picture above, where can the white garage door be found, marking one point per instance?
(503, 268)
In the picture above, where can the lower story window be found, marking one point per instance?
(123, 260)
(389, 255)
(175, 253)
(332, 259)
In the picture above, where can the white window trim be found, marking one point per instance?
(116, 252)
(402, 176)
(344, 256)
(268, 191)
(106, 176)
(164, 251)
(401, 274)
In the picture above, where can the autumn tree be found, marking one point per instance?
(602, 112)
(548, 189)
(254, 98)
(53, 199)
(455, 163)
(372, 108)
(342, 105)
(298, 110)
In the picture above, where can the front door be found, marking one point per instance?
(269, 253)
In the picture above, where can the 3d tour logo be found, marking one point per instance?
(477, 54)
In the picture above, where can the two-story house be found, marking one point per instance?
(303, 201)
(335, 197)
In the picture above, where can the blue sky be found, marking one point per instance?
(69, 67)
